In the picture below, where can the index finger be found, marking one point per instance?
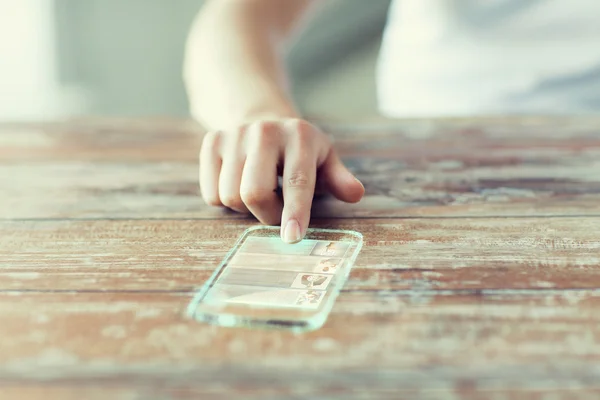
(299, 178)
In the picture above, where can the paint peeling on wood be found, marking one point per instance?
(490, 287)
(480, 253)
(464, 168)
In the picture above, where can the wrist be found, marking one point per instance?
(234, 119)
(240, 103)
(273, 112)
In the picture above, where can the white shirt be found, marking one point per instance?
(466, 57)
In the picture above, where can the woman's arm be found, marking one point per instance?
(234, 69)
(237, 88)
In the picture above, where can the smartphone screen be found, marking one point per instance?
(263, 277)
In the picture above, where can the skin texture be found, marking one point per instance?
(238, 90)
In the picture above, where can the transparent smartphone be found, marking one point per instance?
(264, 282)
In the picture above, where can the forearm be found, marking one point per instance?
(237, 88)
(234, 70)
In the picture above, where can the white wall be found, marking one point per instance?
(115, 57)
(29, 87)
(344, 90)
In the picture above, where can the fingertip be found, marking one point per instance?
(355, 192)
(340, 181)
(291, 231)
(346, 187)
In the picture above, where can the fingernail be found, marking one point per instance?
(291, 233)
(361, 184)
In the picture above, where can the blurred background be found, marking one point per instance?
(62, 58)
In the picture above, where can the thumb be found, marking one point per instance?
(339, 181)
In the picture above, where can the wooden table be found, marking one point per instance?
(480, 274)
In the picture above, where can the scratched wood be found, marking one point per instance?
(95, 140)
(416, 168)
(155, 392)
(159, 393)
(542, 253)
(370, 340)
(104, 241)
(414, 254)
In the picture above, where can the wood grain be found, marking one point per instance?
(101, 140)
(414, 254)
(153, 391)
(479, 278)
(370, 339)
(415, 168)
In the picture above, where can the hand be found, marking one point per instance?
(239, 169)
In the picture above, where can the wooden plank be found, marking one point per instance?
(126, 139)
(101, 140)
(486, 341)
(411, 168)
(75, 391)
(435, 308)
(411, 254)
(472, 167)
(88, 190)
(151, 190)
(153, 391)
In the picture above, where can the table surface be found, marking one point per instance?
(480, 272)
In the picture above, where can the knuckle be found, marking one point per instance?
(232, 201)
(212, 139)
(304, 133)
(212, 201)
(298, 180)
(303, 127)
(210, 198)
(241, 131)
(265, 132)
(256, 197)
(231, 139)
(232, 143)
(268, 127)
(211, 135)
